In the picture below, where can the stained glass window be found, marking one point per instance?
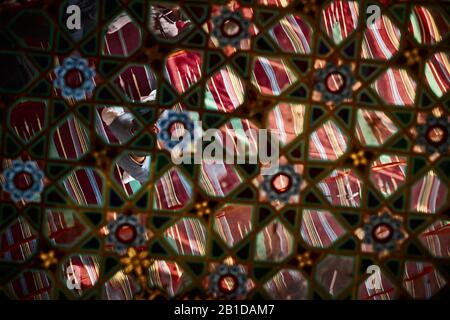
(96, 96)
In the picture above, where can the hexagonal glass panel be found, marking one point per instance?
(422, 280)
(187, 237)
(218, 178)
(30, 285)
(428, 194)
(224, 90)
(84, 186)
(374, 128)
(238, 137)
(24, 28)
(168, 276)
(168, 21)
(340, 19)
(116, 125)
(131, 171)
(335, 274)
(327, 142)
(319, 228)
(120, 287)
(395, 87)
(80, 272)
(292, 34)
(233, 222)
(18, 242)
(122, 37)
(437, 75)
(286, 121)
(274, 243)
(172, 191)
(137, 83)
(70, 140)
(388, 173)
(436, 238)
(381, 39)
(272, 76)
(183, 68)
(276, 3)
(421, 20)
(377, 286)
(63, 227)
(28, 118)
(342, 188)
(287, 285)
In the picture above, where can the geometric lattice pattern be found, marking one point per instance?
(95, 208)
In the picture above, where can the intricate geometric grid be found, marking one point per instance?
(94, 208)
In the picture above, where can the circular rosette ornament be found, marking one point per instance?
(23, 180)
(228, 282)
(125, 232)
(172, 127)
(434, 135)
(230, 28)
(335, 83)
(74, 78)
(382, 232)
(283, 184)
